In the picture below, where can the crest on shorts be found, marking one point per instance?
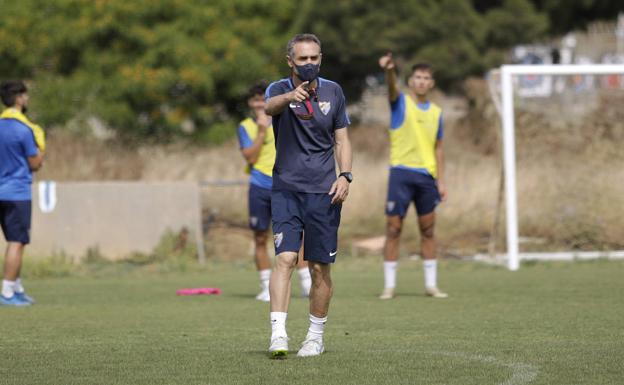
(325, 107)
(253, 221)
(278, 238)
(390, 205)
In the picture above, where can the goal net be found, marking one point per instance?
(561, 125)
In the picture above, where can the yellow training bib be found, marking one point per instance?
(412, 144)
(38, 133)
(266, 159)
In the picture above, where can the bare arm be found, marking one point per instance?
(276, 104)
(439, 154)
(343, 152)
(344, 157)
(387, 64)
(35, 162)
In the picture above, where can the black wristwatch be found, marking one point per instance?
(348, 176)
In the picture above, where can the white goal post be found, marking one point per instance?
(509, 146)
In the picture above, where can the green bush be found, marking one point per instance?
(160, 69)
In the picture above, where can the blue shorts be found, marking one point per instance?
(259, 208)
(309, 217)
(406, 186)
(15, 221)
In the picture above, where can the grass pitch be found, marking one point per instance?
(545, 324)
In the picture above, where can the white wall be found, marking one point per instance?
(116, 217)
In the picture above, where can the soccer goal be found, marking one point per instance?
(510, 86)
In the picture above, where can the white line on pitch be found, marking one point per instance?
(521, 373)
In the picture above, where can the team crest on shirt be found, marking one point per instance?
(390, 205)
(325, 107)
(278, 238)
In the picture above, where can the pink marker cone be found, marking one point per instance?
(199, 291)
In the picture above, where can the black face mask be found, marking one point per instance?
(308, 72)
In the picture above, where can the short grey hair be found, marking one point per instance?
(309, 37)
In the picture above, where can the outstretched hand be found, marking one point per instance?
(300, 93)
(386, 62)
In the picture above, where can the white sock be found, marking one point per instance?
(317, 326)
(305, 280)
(18, 288)
(8, 288)
(431, 268)
(265, 275)
(390, 269)
(278, 324)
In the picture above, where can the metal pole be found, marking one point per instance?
(199, 232)
(509, 164)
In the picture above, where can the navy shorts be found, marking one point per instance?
(15, 221)
(407, 186)
(259, 208)
(309, 217)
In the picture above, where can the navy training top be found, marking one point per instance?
(305, 141)
(17, 144)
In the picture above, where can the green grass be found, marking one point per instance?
(545, 324)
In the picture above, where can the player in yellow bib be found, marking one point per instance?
(257, 144)
(416, 170)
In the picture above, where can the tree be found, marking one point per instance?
(566, 16)
(515, 22)
(148, 68)
(156, 69)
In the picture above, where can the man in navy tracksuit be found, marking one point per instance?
(310, 125)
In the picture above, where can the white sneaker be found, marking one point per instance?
(279, 347)
(435, 293)
(311, 347)
(264, 296)
(388, 293)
